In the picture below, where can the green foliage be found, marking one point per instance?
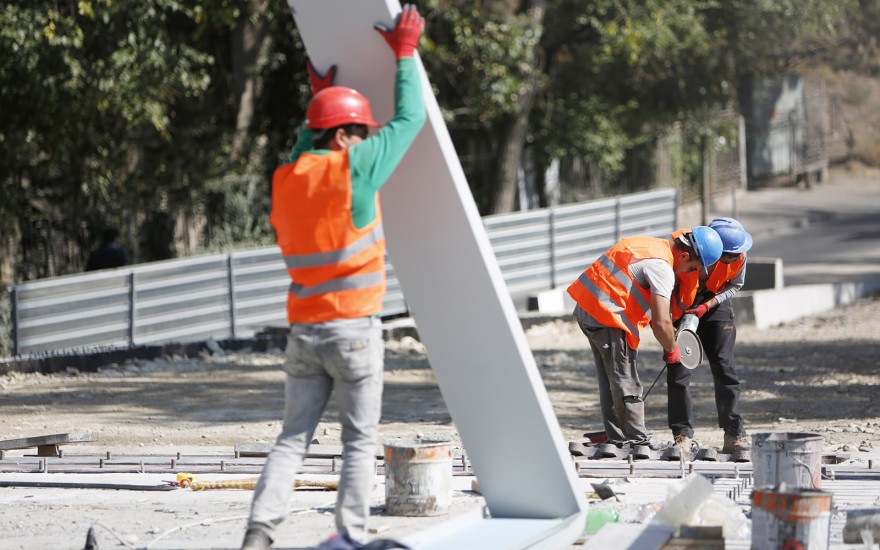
(613, 73)
(86, 86)
(230, 203)
(126, 112)
(479, 55)
(116, 110)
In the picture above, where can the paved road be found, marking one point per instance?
(830, 233)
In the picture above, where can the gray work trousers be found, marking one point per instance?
(620, 391)
(347, 355)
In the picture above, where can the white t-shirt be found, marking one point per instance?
(655, 274)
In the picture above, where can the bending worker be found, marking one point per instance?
(328, 223)
(708, 296)
(627, 287)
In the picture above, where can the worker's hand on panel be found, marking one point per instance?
(699, 311)
(404, 39)
(673, 356)
(317, 81)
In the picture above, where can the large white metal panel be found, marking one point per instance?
(452, 283)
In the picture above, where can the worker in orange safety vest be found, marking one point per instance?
(708, 296)
(617, 296)
(328, 222)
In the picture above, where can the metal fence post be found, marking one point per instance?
(743, 166)
(13, 314)
(132, 307)
(230, 274)
(552, 220)
(617, 221)
(675, 206)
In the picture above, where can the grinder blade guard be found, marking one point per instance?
(689, 342)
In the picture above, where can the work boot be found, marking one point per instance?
(682, 442)
(736, 444)
(256, 539)
(682, 446)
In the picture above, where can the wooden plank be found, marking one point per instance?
(453, 285)
(39, 441)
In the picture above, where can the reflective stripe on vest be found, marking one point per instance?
(607, 293)
(335, 285)
(336, 256)
(337, 270)
(607, 302)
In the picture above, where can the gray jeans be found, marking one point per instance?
(347, 354)
(620, 391)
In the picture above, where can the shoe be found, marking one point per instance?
(256, 539)
(736, 444)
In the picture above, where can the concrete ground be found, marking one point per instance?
(182, 518)
(829, 234)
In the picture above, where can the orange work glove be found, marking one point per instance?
(404, 39)
(317, 81)
(673, 356)
(699, 311)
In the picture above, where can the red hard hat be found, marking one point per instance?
(338, 105)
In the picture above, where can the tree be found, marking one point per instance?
(115, 110)
(86, 87)
(595, 79)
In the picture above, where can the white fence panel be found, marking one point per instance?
(239, 294)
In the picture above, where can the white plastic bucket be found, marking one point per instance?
(791, 458)
(418, 477)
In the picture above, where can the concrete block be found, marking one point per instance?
(551, 302)
(763, 274)
(767, 308)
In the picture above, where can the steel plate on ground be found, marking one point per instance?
(691, 349)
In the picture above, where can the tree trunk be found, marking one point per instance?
(249, 41)
(517, 126)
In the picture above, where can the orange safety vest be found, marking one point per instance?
(688, 283)
(607, 292)
(337, 270)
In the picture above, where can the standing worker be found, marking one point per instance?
(627, 287)
(328, 223)
(708, 296)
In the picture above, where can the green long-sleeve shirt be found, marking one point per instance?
(372, 161)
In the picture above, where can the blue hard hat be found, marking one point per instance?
(707, 243)
(734, 237)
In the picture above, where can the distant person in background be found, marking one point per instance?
(110, 254)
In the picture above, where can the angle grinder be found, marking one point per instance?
(689, 342)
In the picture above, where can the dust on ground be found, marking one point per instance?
(819, 374)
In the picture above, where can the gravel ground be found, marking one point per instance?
(819, 374)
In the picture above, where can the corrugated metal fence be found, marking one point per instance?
(238, 294)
